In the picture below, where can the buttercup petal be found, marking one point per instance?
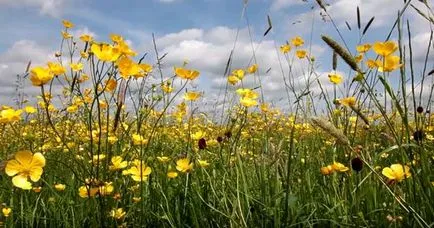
(24, 157)
(388, 172)
(21, 181)
(13, 167)
(38, 160)
(35, 173)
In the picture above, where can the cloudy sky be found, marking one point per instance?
(203, 32)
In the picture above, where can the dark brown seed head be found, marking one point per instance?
(418, 135)
(202, 143)
(228, 134)
(419, 109)
(219, 139)
(357, 164)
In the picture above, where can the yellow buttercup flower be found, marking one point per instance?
(385, 48)
(86, 191)
(198, 135)
(72, 109)
(186, 74)
(335, 78)
(97, 159)
(339, 167)
(335, 167)
(172, 174)
(203, 163)
(146, 68)
(391, 63)
(106, 189)
(10, 115)
(297, 41)
(191, 96)
(40, 76)
(233, 79)
(125, 49)
(56, 68)
(112, 139)
(105, 52)
(248, 93)
(301, 54)
(371, 63)
(25, 165)
(139, 172)
(66, 35)
(30, 109)
(110, 85)
(139, 140)
(239, 73)
(76, 66)
(60, 187)
(117, 163)
(67, 24)
(163, 159)
(285, 48)
(103, 190)
(252, 69)
(248, 102)
(118, 213)
(184, 165)
(248, 97)
(6, 211)
(116, 38)
(264, 107)
(363, 48)
(127, 67)
(84, 54)
(348, 101)
(326, 170)
(358, 58)
(166, 88)
(397, 172)
(86, 38)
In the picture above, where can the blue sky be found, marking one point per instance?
(27, 19)
(202, 31)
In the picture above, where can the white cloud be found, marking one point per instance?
(422, 93)
(174, 38)
(52, 8)
(342, 11)
(420, 47)
(14, 61)
(282, 4)
(208, 52)
(23, 51)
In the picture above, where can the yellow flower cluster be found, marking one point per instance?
(335, 167)
(397, 172)
(248, 97)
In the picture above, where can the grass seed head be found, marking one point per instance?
(331, 129)
(344, 54)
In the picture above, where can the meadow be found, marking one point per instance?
(113, 148)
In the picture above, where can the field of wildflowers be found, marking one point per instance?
(96, 154)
